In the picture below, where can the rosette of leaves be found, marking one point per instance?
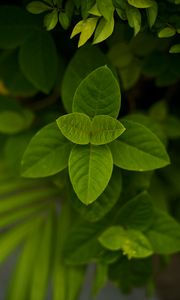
(90, 140)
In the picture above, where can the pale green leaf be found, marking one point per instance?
(175, 48)
(47, 153)
(76, 127)
(106, 8)
(95, 11)
(95, 93)
(141, 3)
(90, 169)
(132, 242)
(105, 129)
(77, 29)
(152, 13)
(138, 149)
(134, 18)
(167, 32)
(87, 31)
(51, 19)
(37, 7)
(164, 234)
(104, 30)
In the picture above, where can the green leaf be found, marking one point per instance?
(137, 213)
(138, 149)
(42, 262)
(105, 129)
(141, 3)
(164, 234)
(85, 28)
(76, 127)
(51, 19)
(47, 153)
(152, 13)
(38, 60)
(104, 30)
(95, 93)
(37, 7)
(85, 6)
(97, 210)
(84, 62)
(167, 32)
(64, 20)
(15, 26)
(132, 242)
(87, 163)
(175, 48)
(106, 8)
(134, 18)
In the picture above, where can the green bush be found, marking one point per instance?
(89, 137)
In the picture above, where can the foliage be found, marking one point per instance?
(89, 166)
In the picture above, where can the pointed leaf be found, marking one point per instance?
(37, 7)
(90, 169)
(51, 19)
(141, 3)
(76, 127)
(106, 8)
(138, 149)
(104, 30)
(98, 94)
(152, 13)
(105, 129)
(134, 18)
(47, 153)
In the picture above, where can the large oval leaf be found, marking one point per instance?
(76, 127)
(47, 153)
(38, 60)
(90, 169)
(138, 149)
(98, 94)
(105, 129)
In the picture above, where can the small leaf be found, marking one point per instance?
(39, 61)
(138, 149)
(104, 30)
(64, 20)
(175, 48)
(152, 13)
(141, 3)
(95, 93)
(132, 242)
(51, 19)
(106, 8)
(76, 127)
(134, 18)
(90, 169)
(86, 28)
(37, 7)
(47, 153)
(94, 11)
(167, 32)
(105, 129)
